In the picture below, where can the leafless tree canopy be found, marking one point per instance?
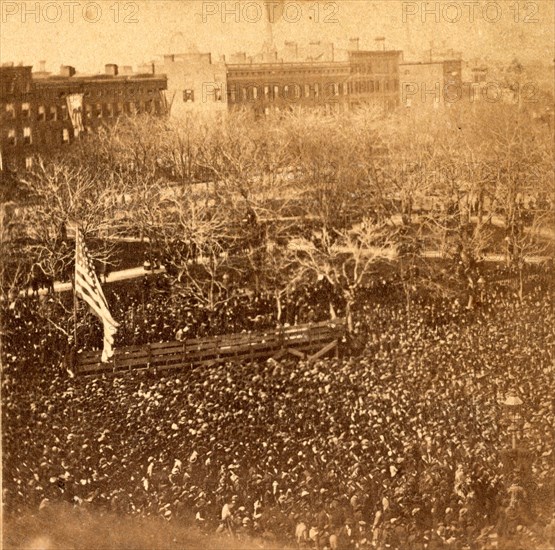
(316, 194)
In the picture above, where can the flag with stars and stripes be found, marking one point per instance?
(87, 286)
(75, 110)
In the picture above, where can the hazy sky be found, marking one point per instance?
(90, 34)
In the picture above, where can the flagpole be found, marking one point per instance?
(75, 293)
(74, 315)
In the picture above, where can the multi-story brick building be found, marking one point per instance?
(17, 142)
(354, 78)
(35, 108)
(279, 86)
(374, 77)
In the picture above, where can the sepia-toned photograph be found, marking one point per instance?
(277, 274)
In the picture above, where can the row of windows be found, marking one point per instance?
(328, 108)
(53, 112)
(100, 110)
(120, 92)
(375, 66)
(13, 138)
(309, 91)
(110, 110)
(59, 112)
(288, 91)
(13, 86)
(11, 164)
(27, 137)
(10, 110)
(285, 73)
(128, 92)
(373, 86)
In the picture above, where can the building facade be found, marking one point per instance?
(196, 83)
(374, 77)
(42, 113)
(267, 87)
(364, 77)
(431, 84)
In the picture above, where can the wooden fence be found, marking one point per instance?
(303, 341)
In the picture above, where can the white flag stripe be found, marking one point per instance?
(100, 308)
(97, 310)
(107, 353)
(88, 294)
(107, 350)
(86, 276)
(103, 298)
(92, 280)
(92, 303)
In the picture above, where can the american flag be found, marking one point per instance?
(75, 109)
(87, 286)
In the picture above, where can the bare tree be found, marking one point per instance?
(525, 239)
(328, 170)
(178, 154)
(190, 235)
(521, 151)
(61, 198)
(410, 165)
(16, 265)
(349, 260)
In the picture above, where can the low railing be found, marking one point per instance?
(304, 341)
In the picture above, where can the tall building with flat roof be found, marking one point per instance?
(315, 74)
(266, 87)
(332, 80)
(42, 113)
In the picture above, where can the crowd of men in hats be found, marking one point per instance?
(399, 447)
(149, 312)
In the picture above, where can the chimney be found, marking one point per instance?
(292, 50)
(42, 66)
(265, 57)
(67, 70)
(146, 68)
(326, 51)
(169, 58)
(127, 70)
(354, 44)
(238, 57)
(111, 69)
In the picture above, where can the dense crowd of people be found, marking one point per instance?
(401, 446)
(152, 312)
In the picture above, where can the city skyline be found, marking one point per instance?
(130, 33)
